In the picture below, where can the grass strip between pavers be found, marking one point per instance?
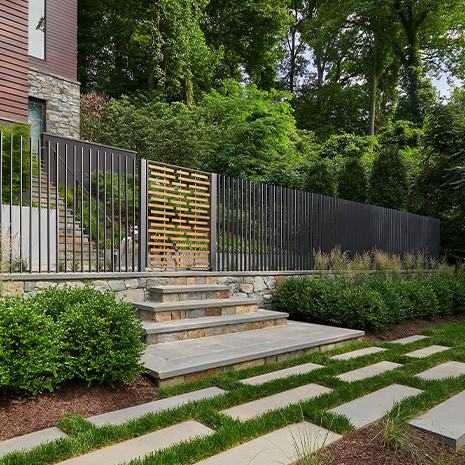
(84, 437)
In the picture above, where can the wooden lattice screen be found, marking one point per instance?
(178, 218)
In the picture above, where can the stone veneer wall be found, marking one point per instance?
(63, 102)
(136, 288)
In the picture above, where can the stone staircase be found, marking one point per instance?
(74, 241)
(197, 330)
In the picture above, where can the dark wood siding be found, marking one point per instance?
(60, 40)
(14, 60)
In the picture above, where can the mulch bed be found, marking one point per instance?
(367, 447)
(411, 327)
(20, 416)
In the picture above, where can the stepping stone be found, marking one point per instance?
(297, 370)
(443, 371)
(447, 421)
(358, 353)
(374, 406)
(427, 351)
(31, 440)
(368, 371)
(131, 413)
(140, 447)
(275, 402)
(280, 447)
(408, 340)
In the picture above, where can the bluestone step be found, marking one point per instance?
(358, 353)
(191, 328)
(142, 446)
(189, 292)
(118, 417)
(443, 371)
(281, 447)
(427, 351)
(292, 371)
(409, 340)
(368, 371)
(31, 440)
(275, 402)
(447, 421)
(374, 406)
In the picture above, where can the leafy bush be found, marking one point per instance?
(352, 182)
(320, 178)
(373, 303)
(64, 334)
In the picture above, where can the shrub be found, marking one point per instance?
(352, 180)
(31, 348)
(320, 178)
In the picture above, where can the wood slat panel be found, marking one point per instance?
(179, 218)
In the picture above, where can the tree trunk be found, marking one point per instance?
(373, 86)
(292, 62)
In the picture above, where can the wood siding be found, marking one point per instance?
(60, 40)
(14, 60)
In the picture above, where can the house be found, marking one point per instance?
(38, 66)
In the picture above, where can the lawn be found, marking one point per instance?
(84, 437)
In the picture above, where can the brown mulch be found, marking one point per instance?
(20, 416)
(411, 327)
(367, 447)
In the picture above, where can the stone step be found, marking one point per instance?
(358, 353)
(408, 340)
(164, 294)
(30, 441)
(278, 401)
(280, 374)
(142, 446)
(446, 421)
(443, 371)
(194, 308)
(427, 351)
(180, 330)
(368, 372)
(119, 417)
(187, 360)
(281, 447)
(374, 406)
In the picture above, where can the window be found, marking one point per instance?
(37, 121)
(37, 28)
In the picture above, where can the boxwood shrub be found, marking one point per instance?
(373, 303)
(67, 334)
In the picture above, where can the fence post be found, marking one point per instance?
(142, 215)
(213, 220)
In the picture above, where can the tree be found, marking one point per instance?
(389, 180)
(352, 183)
(320, 178)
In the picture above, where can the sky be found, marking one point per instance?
(444, 86)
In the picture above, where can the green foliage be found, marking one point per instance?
(388, 180)
(349, 146)
(320, 178)
(372, 303)
(69, 333)
(402, 134)
(352, 182)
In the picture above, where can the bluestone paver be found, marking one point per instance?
(374, 406)
(427, 351)
(31, 440)
(277, 401)
(409, 340)
(118, 417)
(281, 447)
(297, 370)
(358, 353)
(142, 446)
(446, 420)
(443, 371)
(368, 371)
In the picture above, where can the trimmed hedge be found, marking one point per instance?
(374, 303)
(65, 334)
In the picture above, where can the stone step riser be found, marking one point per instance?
(196, 313)
(215, 331)
(160, 297)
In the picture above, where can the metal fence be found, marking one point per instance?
(73, 206)
(263, 227)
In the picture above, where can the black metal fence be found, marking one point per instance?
(262, 227)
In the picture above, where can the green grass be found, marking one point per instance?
(84, 437)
